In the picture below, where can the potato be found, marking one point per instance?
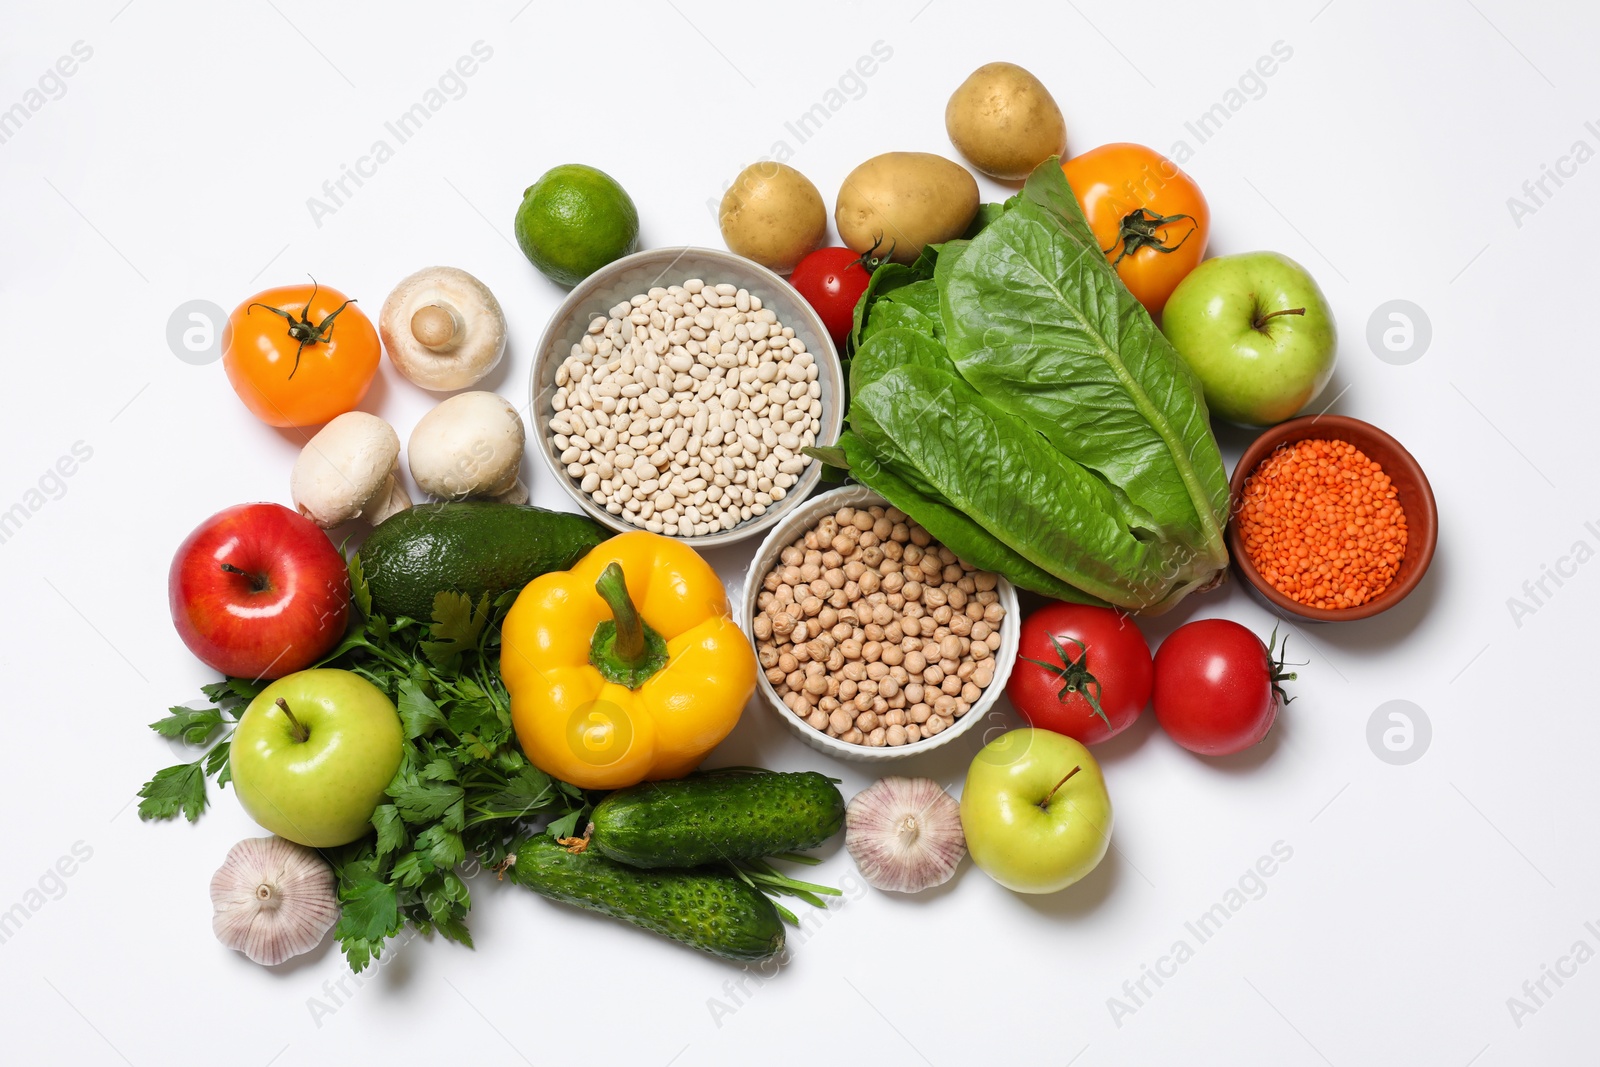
(1004, 121)
(773, 215)
(905, 200)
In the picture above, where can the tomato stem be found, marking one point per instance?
(303, 329)
(1261, 320)
(870, 260)
(1138, 230)
(1048, 797)
(1275, 666)
(1073, 674)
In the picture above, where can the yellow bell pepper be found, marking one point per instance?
(627, 667)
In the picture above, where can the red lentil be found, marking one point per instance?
(1322, 524)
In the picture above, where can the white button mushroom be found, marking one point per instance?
(272, 900)
(347, 471)
(443, 328)
(469, 446)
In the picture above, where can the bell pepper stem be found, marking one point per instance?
(624, 649)
(613, 589)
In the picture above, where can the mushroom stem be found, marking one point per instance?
(390, 500)
(297, 729)
(436, 326)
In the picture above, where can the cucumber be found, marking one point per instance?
(472, 547)
(720, 815)
(710, 910)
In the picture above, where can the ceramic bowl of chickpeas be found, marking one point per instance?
(874, 640)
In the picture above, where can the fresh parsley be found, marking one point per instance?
(463, 787)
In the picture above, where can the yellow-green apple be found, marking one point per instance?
(312, 755)
(1257, 332)
(1035, 811)
(258, 591)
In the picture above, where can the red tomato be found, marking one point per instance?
(1081, 671)
(832, 280)
(1217, 687)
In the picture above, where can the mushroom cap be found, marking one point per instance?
(272, 900)
(469, 445)
(344, 471)
(463, 354)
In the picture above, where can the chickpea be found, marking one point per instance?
(919, 712)
(818, 720)
(892, 655)
(867, 721)
(852, 736)
(894, 717)
(840, 721)
(897, 736)
(913, 732)
(878, 738)
(775, 676)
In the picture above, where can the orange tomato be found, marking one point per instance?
(298, 355)
(1149, 217)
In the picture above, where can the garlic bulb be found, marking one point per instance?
(272, 899)
(905, 834)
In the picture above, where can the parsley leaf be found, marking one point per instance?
(173, 790)
(418, 714)
(464, 790)
(194, 725)
(456, 626)
(391, 828)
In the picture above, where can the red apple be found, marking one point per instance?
(258, 591)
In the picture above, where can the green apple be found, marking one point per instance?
(1035, 811)
(313, 754)
(1257, 331)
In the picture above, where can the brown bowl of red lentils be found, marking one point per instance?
(1332, 519)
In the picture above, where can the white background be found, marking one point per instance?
(177, 164)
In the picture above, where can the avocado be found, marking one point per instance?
(472, 547)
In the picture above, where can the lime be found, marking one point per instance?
(575, 220)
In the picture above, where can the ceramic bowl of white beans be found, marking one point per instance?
(881, 681)
(675, 391)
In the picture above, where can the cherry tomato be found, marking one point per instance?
(1149, 217)
(832, 280)
(1081, 671)
(298, 355)
(1217, 687)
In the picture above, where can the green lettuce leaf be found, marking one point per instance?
(1038, 323)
